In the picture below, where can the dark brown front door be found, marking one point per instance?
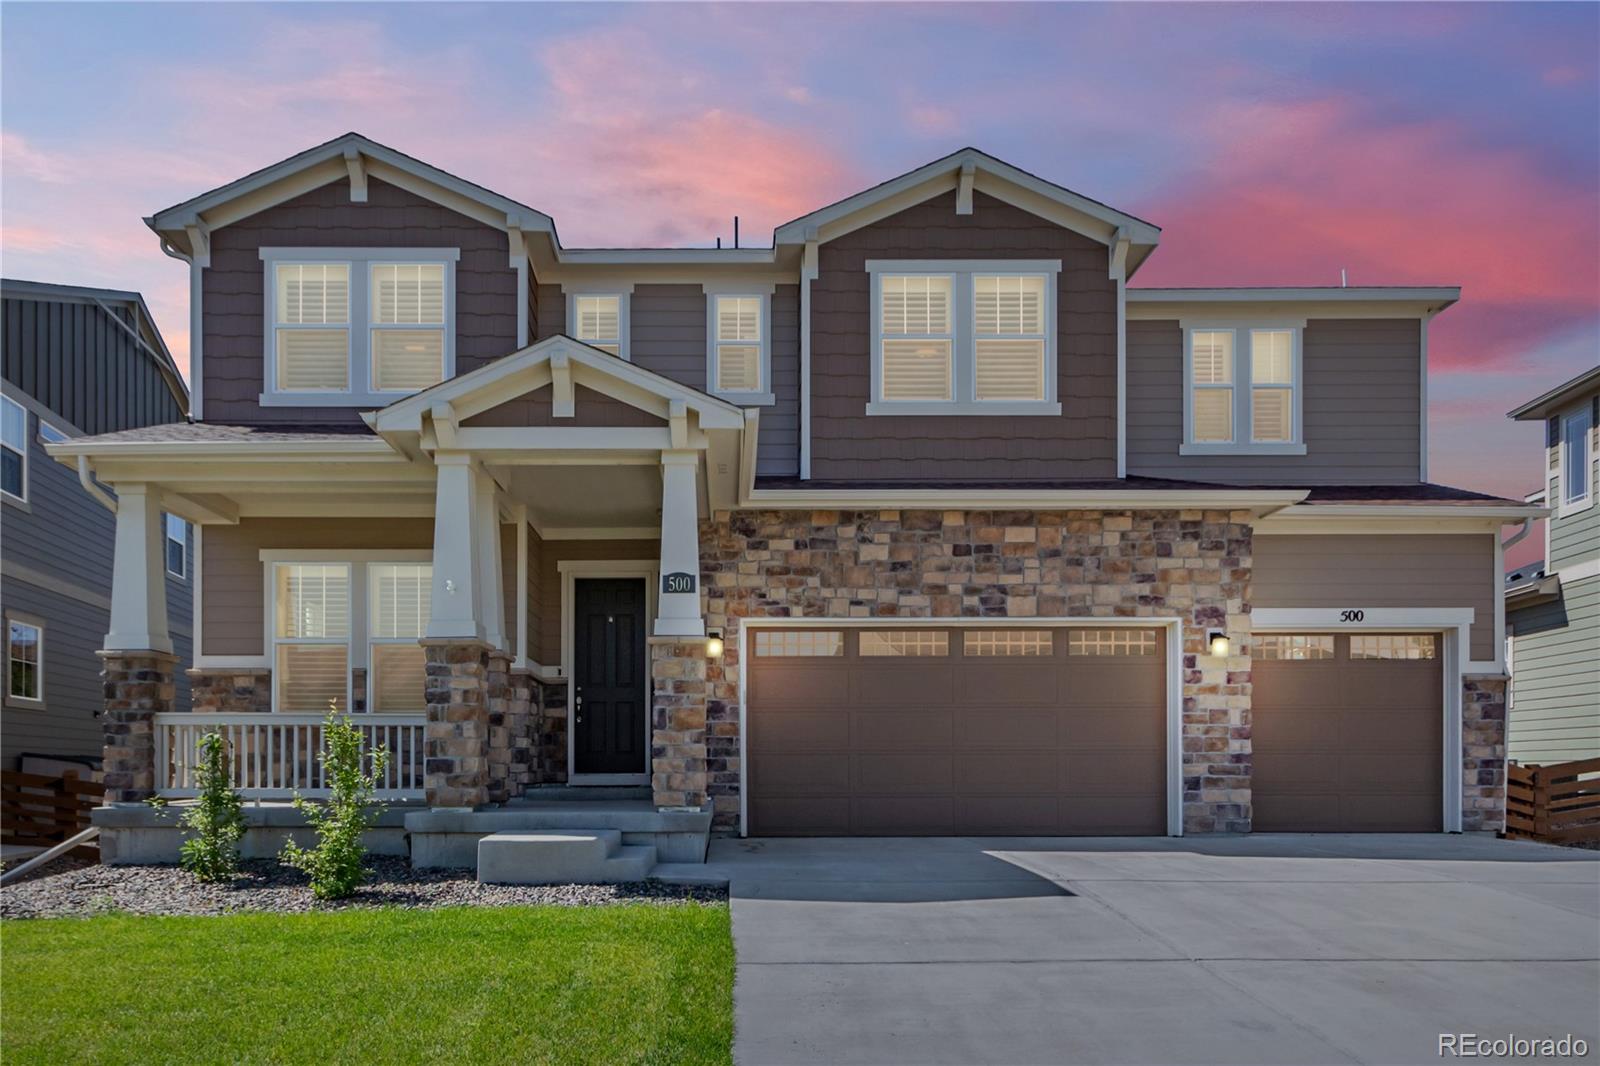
(1347, 732)
(609, 680)
(922, 730)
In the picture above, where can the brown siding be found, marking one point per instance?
(1388, 570)
(778, 449)
(232, 578)
(548, 605)
(1362, 403)
(535, 649)
(667, 332)
(486, 287)
(591, 408)
(552, 305)
(846, 443)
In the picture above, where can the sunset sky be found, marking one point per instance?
(1406, 144)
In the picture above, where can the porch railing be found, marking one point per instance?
(273, 756)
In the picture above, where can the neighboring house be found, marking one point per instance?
(77, 362)
(920, 521)
(1553, 607)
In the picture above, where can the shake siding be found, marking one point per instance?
(847, 444)
(1361, 406)
(590, 408)
(233, 579)
(1388, 570)
(1555, 712)
(234, 324)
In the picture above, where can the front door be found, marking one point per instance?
(610, 690)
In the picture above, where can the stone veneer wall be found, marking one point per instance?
(456, 755)
(1194, 565)
(230, 691)
(678, 728)
(549, 740)
(512, 723)
(1483, 752)
(138, 686)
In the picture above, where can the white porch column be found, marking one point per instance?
(678, 612)
(459, 611)
(139, 574)
(492, 590)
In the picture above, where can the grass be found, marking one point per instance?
(618, 984)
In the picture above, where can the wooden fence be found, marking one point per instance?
(39, 810)
(1559, 803)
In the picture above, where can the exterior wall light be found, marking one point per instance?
(714, 643)
(1217, 641)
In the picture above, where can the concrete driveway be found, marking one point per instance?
(1265, 949)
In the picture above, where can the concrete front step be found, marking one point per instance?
(443, 837)
(581, 857)
(581, 794)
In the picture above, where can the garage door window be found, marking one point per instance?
(1392, 646)
(799, 643)
(1008, 642)
(910, 644)
(1294, 647)
(1112, 642)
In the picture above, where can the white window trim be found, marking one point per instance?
(167, 538)
(25, 449)
(1243, 393)
(624, 294)
(963, 349)
(36, 624)
(1586, 501)
(360, 261)
(359, 655)
(50, 433)
(762, 397)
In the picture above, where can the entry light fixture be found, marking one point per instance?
(1217, 642)
(714, 643)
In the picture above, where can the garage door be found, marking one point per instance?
(1347, 732)
(929, 731)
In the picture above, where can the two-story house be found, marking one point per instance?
(921, 520)
(1553, 607)
(77, 362)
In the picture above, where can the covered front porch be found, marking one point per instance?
(497, 579)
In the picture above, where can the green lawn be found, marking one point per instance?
(619, 984)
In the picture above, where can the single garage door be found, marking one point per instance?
(1347, 733)
(933, 731)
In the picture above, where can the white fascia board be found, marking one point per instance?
(667, 256)
(224, 451)
(1023, 499)
(1161, 304)
(1507, 512)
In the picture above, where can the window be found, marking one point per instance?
(401, 595)
(353, 326)
(1392, 646)
(1294, 647)
(177, 546)
(799, 643)
(311, 634)
(964, 337)
(1115, 642)
(1242, 390)
(24, 661)
(600, 321)
(1008, 643)
(738, 331)
(50, 434)
(13, 448)
(908, 644)
(1576, 459)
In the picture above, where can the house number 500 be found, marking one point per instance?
(1352, 616)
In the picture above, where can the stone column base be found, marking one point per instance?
(1483, 754)
(678, 723)
(456, 757)
(138, 686)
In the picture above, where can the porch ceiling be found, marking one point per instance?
(570, 501)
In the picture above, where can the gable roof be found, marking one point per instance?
(969, 169)
(1563, 394)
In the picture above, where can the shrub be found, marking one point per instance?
(334, 865)
(216, 820)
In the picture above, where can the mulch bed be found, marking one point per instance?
(267, 885)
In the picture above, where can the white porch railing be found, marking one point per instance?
(273, 756)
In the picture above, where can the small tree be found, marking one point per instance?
(217, 818)
(335, 863)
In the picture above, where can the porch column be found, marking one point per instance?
(678, 610)
(138, 575)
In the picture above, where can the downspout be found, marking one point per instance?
(92, 487)
(1527, 527)
(196, 341)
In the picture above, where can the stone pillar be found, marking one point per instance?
(1483, 755)
(507, 724)
(456, 767)
(678, 723)
(138, 686)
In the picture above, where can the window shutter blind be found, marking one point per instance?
(916, 370)
(915, 305)
(407, 359)
(311, 676)
(1271, 414)
(313, 601)
(1212, 352)
(738, 368)
(1213, 415)
(313, 294)
(599, 321)
(1271, 357)
(399, 679)
(408, 294)
(401, 599)
(1010, 370)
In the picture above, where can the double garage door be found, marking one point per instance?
(934, 730)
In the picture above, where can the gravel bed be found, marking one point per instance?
(65, 864)
(267, 885)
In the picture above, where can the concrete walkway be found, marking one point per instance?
(1266, 949)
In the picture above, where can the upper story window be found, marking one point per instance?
(964, 337)
(177, 546)
(24, 660)
(1242, 389)
(13, 448)
(739, 345)
(353, 327)
(600, 320)
(1577, 458)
